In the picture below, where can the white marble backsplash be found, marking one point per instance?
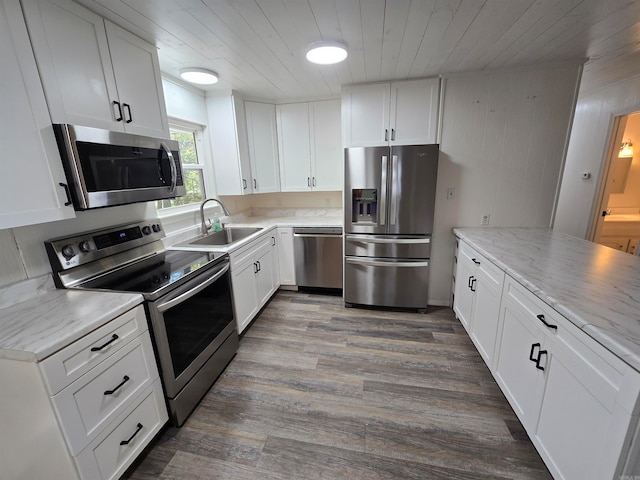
(25, 290)
(295, 212)
(595, 287)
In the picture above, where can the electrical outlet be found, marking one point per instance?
(484, 220)
(450, 193)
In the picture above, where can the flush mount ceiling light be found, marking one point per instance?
(326, 53)
(626, 150)
(201, 76)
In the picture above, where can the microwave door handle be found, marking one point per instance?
(383, 192)
(164, 306)
(174, 168)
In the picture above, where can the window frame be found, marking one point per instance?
(203, 165)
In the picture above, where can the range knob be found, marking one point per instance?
(156, 227)
(146, 229)
(68, 252)
(86, 246)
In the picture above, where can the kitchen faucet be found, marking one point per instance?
(224, 209)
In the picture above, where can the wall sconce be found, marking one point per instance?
(626, 150)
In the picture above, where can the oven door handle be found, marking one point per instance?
(164, 306)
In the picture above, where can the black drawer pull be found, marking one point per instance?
(126, 442)
(259, 266)
(540, 353)
(114, 337)
(475, 261)
(67, 193)
(473, 285)
(533, 347)
(549, 325)
(470, 281)
(125, 379)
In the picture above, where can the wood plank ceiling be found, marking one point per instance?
(258, 46)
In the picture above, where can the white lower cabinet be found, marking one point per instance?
(286, 259)
(87, 411)
(254, 277)
(478, 290)
(577, 401)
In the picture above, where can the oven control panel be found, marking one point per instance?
(68, 252)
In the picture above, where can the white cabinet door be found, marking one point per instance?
(365, 115)
(294, 147)
(72, 52)
(263, 146)
(486, 309)
(327, 166)
(137, 72)
(31, 159)
(464, 288)
(94, 73)
(229, 145)
(516, 370)
(286, 264)
(245, 292)
(265, 278)
(414, 111)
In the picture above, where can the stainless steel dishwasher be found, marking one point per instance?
(318, 256)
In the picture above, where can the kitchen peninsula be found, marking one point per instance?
(557, 321)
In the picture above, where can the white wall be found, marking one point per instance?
(590, 134)
(503, 139)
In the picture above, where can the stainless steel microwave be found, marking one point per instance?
(105, 168)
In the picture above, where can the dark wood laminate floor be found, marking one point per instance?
(319, 391)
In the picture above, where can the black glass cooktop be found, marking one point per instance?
(159, 272)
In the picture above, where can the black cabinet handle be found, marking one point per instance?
(255, 183)
(475, 261)
(114, 337)
(125, 379)
(470, 281)
(259, 266)
(473, 285)
(313, 181)
(533, 347)
(386, 134)
(244, 184)
(274, 241)
(67, 193)
(540, 353)
(117, 104)
(546, 324)
(308, 181)
(128, 440)
(255, 267)
(393, 134)
(128, 109)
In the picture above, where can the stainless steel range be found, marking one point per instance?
(187, 299)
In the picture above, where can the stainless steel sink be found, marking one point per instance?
(226, 236)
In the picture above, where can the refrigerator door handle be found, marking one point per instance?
(383, 191)
(383, 263)
(400, 241)
(394, 190)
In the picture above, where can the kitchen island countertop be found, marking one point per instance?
(50, 319)
(595, 287)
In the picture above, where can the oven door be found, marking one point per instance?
(190, 323)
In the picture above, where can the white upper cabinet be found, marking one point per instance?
(93, 72)
(263, 146)
(228, 133)
(310, 147)
(30, 185)
(396, 113)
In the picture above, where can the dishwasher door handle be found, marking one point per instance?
(316, 235)
(384, 263)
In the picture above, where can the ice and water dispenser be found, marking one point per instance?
(364, 205)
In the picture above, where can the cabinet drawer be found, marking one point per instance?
(70, 363)
(86, 406)
(248, 251)
(106, 458)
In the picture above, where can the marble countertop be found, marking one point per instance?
(595, 287)
(50, 320)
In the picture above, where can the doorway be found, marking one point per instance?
(617, 217)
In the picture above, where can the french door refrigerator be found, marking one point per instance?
(389, 202)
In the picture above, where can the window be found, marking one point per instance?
(189, 138)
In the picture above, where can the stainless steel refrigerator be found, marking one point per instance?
(389, 200)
